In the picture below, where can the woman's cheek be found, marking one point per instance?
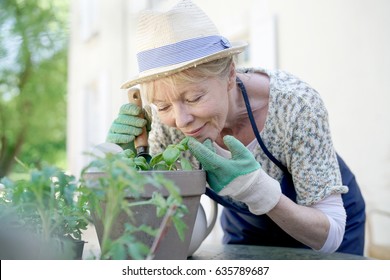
(167, 120)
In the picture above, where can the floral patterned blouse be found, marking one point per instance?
(296, 132)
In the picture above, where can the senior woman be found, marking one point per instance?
(262, 136)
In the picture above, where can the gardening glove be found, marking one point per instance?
(128, 125)
(240, 177)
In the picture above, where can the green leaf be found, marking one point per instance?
(169, 185)
(156, 159)
(180, 227)
(185, 164)
(181, 147)
(138, 250)
(161, 166)
(141, 163)
(184, 142)
(147, 229)
(129, 153)
(160, 203)
(117, 251)
(171, 155)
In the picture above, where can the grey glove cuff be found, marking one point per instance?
(258, 190)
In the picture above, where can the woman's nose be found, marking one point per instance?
(183, 116)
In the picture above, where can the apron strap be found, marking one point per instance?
(254, 127)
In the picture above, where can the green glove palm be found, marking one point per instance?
(239, 177)
(127, 126)
(222, 171)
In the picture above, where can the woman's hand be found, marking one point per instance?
(127, 126)
(240, 177)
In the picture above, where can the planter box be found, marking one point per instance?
(192, 185)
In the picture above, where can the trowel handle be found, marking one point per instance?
(134, 96)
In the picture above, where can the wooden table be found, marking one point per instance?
(251, 252)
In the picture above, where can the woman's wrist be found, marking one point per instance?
(259, 191)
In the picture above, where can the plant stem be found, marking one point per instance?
(140, 203)
(161, 231)
(110, 214)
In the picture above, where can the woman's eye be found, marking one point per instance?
(193, 99)
(162, 108)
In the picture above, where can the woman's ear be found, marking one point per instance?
(232, 76)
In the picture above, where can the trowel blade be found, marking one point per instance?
(103, 149)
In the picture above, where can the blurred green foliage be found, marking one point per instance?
(33, 82)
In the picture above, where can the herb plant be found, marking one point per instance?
(172, 158)
(108, 197)
(46, 206)
(53, 206)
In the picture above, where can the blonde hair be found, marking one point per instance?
(216, 68)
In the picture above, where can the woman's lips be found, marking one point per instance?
(195, 132)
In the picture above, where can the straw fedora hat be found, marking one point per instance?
(180, 38)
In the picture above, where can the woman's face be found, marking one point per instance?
(197, 109)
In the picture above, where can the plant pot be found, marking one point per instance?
(192, 185)
(77, 248)
(19, 243)
(66, 248)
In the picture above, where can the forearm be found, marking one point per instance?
(321, 226)
(333, 207)
(308, 225)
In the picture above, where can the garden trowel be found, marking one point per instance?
(140, 142)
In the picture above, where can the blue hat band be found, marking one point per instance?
(182, 51)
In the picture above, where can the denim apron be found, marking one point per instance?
(240, 226)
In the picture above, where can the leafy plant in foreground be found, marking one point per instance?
(50, 206)
(46, 206)
(108, 198)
